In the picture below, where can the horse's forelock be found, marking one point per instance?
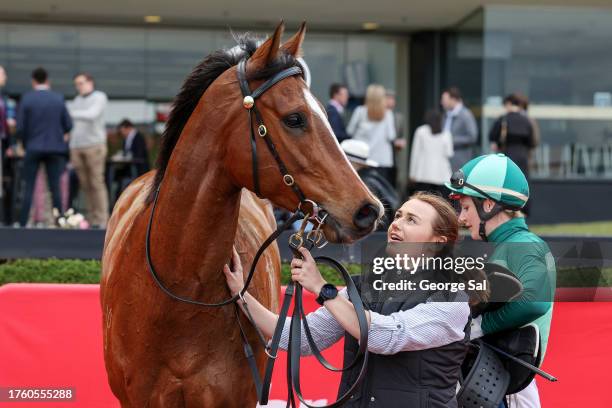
(196, 83)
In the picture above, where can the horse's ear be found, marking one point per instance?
(294, 45)
(268, 51)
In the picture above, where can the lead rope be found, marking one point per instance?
(294, 292)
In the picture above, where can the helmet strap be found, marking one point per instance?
(485, 216)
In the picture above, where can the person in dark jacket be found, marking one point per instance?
(134, 146)
(460, 122)
(417, 340)
(513, 134)
(43, 124)
(358, 152)
(339, 97)
(135, 150)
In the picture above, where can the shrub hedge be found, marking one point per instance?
(78, 271)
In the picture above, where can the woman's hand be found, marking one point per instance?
(305, 272)
(399, 144)
(235, 278)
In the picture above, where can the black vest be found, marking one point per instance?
(408, 379)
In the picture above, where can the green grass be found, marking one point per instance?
(585, 228)
(76, 271)
(50, 271)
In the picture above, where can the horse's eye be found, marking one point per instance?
(294, 121)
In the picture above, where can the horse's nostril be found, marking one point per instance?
(366, 216)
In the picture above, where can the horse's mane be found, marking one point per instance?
(197, 82)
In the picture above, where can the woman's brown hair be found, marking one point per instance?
(446, 224)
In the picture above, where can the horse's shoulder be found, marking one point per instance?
(131, 203)
(256, 211)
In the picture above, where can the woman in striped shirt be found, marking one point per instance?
(418, 342)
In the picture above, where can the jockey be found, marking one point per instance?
(492, 190)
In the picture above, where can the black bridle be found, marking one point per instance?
(310, 212)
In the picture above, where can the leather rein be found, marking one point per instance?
(309, 211)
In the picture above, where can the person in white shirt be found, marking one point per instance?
(374, 124)
(88, 147)
(430, 158)
(425, 332)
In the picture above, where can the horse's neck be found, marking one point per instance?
(198, 215)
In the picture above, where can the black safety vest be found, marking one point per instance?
(408, 379)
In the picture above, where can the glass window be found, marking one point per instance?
(560, 58)
(152, 63)
(115, 57)
(4, 46)
(325, 56)
(51, 47)
(171, 55)
(370, 60)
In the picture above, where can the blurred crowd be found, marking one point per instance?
(447, 138)
(55, 153)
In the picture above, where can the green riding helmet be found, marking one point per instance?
(492, 176)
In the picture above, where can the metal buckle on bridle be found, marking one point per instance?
(296, 239)
(314, 210)
(316, 236)
(268, 354)
(262, 130)
(288, 180)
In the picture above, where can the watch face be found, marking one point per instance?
(329, 291)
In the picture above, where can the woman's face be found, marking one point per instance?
(468, 217)
(414, 223)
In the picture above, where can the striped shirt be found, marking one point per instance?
(427, 325)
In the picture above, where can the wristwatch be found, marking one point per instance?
(328, 291)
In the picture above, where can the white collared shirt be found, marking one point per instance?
(337, 105)
(450, 115)
(129, 140)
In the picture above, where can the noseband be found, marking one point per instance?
(309, 211)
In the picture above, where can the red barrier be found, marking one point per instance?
(50, 336)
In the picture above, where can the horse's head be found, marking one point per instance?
(300, 133)
(298, 128)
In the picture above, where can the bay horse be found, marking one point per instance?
(160, 352)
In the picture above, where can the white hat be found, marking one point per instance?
(358, 151)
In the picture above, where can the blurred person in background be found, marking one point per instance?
(134, 150)
(134, 146)
(88, 147)
(523, 102)
(430, 158)
(400, 123)
(513, 135)
(358, 152)
(460, 122)
(43, 124)
(7, 127)
(339, 97)
(400, 140)
(374, 124)
(7, 114)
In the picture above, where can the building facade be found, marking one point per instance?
(558, 56)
